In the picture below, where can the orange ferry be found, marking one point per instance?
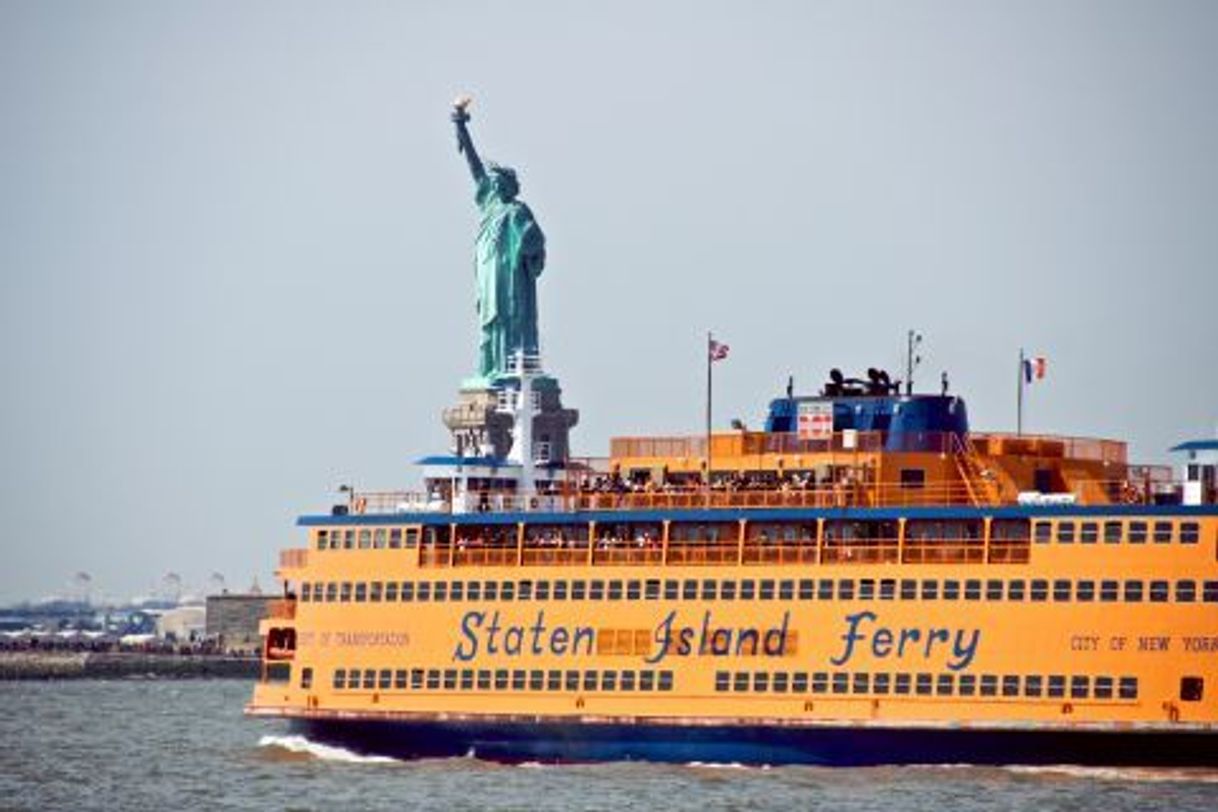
(865, 581)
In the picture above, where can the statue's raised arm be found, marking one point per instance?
(465, 144)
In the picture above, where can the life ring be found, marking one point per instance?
(361, 504)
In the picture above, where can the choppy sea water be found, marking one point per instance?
(158, 745)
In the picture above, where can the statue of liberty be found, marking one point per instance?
(509, 256)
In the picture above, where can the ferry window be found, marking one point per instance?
(365, 538)
(651, 590)
(722, 681)
(1209, 592)
(945, 685)
(786, 590)
(740, 681)
(537, 680)
(972, 590)
(399, 679)
(369, 679)
(1109, 591)
(456, 591)
(572, 680)
(323, 539)
(378, 538)
(1033, 685)
(1015, 591)
(761, 681)
(671, 590)
(824, 589)
(1137, 532)
(766, 590)
(423, 591)
(799, 682)
(1065, 532)
(543, 590)
(524, 591)
(1080, 687)
(345, 592)
(845, 589)
(501, 679)
(1103, 687)
(439, 592)
(708, 589)
(395, 538)
(305, 589)
(867, 589)
(923, 685)
(807, 589)
(331, 592)
(518, 679)
(1061, 590)
(647, 680)
(1010, 685)
(727, 591)
(820, 682)
(1112, 532)
(507, 590)
(1133, 591)
(433, 679)
(407, 591)
(375, 590)
(1044, 531)
(1191, 689)
(560, 590)
(467, 679)
(780, 682)
(951, 590)
(353, 678)
(1057, 686)
(1190, 533)
(340, 678)
(930, 590)
(615, 590)
(385, 682)
(968, 684)
(1089, 533)
(1158, 591)
(841, 682)
(912, 478)
(689, 590)
(578, 590)
(1085, 591)
(412, 538)
(348, 539)
(627, 681)
(909, 589)
(901, 686)
(416, 678)
(1040, 589)
(591, 677)
(1186, 591)
(888, 589)
(1128, 688)
(1011, 530)
(862, 683)
(665, 680)
(882, 683)
(1163, 532)
(993, 590)
(989, 685)
(748, 590)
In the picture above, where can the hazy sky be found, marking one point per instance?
(235, 238)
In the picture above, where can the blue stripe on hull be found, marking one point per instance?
(844, 746)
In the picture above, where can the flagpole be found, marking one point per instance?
(1019, 397)
(709, 340)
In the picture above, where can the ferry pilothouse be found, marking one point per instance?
(865, 581)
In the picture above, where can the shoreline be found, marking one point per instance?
(62, 665)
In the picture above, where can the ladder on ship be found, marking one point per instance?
(978, 481)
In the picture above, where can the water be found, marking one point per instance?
(157, 745)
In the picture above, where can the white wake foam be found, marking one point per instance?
(1140, 774)
(322, 752)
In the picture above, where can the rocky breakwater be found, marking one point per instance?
(44, 665)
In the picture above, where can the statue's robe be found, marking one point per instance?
(509, 256)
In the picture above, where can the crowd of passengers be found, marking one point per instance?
(614, 483)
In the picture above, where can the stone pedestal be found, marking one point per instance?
(481, 427)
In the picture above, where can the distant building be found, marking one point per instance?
(232, 620)
(184, 624)
(1199, 471)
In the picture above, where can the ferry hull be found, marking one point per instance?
(551, 742)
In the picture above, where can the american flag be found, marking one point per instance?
(716, 351)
